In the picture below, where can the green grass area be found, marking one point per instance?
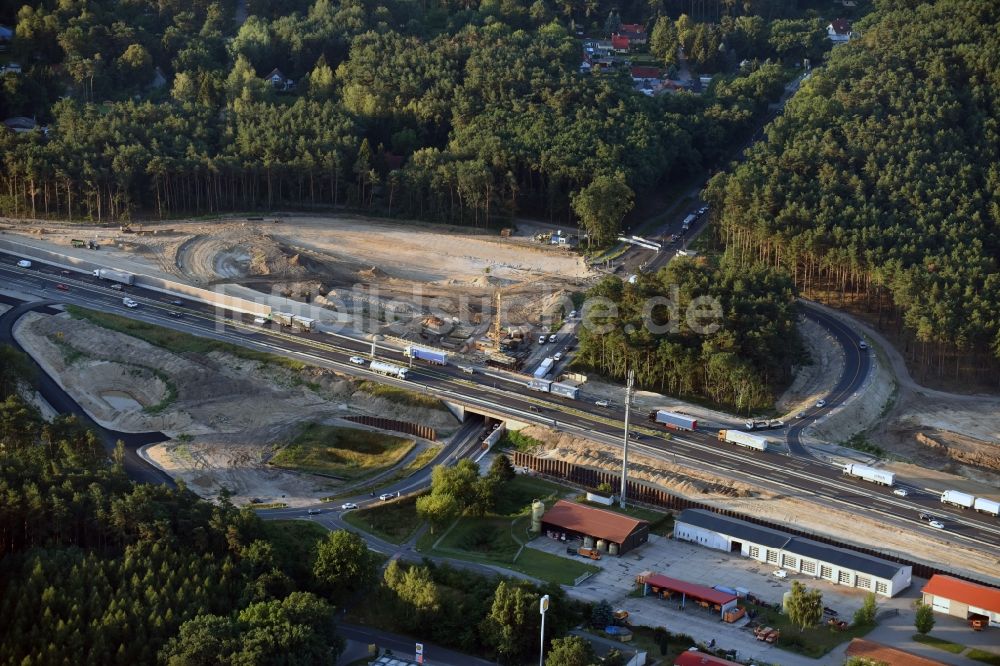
(175, 341)
(812, 642)
(393, 521)
(400, 396)
(991, 658)
(650, 640)
(939, 643)
(513, 439)
(420, 461)
(349, 453)
(515, 497)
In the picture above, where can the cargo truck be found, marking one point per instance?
(544, 368)
(537, 384)
(304, 324)
(565, 390)
(673, 421)
(984, 505)
(743, 439)
(755, 425)
(429, 355)
(957, 498)
(871, 474)
(115, 276)
(389, 369)
(282, 318)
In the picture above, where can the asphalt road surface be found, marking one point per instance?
(504, 395)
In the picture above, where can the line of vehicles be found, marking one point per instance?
(967, 501)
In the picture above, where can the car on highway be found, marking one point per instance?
(936, 524)
(313, 512)
(703, 210)
(902, 492)
(602, 403)
(863, 345)
(175, 314)
(117, 287)
(800, 415)
(557, 356)
(926, 516)
(533, 408)
(821, 403)
(177, 301)
(65, 272)
(385, 497)
(348, 505)
(552, 338)
(62, 287)
(572, 314)
(357, 360)
(24, 263)
(129, 303)
(779, 573)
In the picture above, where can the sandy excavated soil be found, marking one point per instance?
(225, 414)
(738, 496)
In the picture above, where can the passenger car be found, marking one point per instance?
(129, 303)
(357, 360)
(348, 505)
(388, 496)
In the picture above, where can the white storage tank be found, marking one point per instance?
(612, 548)
(588, 542)
(537, 511)
(602, 545)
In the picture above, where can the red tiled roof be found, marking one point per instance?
(841, 26)
(701, 659)
(973, 594)
(593, 522)
(877, 652)
(690, 589)
(619, 42)
(645, 72)
(633, 27)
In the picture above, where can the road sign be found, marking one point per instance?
(420, 653)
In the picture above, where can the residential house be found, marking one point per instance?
(839, 31)
(640, 73)
(278, 80)
(620, 44)
(963, 599)
(635, 32)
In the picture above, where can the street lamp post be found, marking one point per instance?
(543, 606)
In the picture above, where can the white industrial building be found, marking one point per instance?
(804, 556)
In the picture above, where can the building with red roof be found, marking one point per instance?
(962, 599)
(619, 43)
(618, 532)
(640, 73)
(695, 658)
(674, 588)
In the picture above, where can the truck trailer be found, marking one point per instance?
(957, 498)
(743, 439)
(429, 355)
(673, 421)
(538, 384)
(565, 390)
(389, 369)
(871, 474)
(984, 505)
(544, 368)
(115, 276)
(283, 318)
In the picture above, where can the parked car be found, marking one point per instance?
(902, 492)
(779, 573)
(62, 287)
(602, 403)
(357, 360)
(313, 512)
(388, 496)
(937, 524)
(129, 303)
(348, 505)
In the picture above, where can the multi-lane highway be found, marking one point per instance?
(501, 394)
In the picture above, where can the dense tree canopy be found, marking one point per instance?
(724, 333)
(880, 185)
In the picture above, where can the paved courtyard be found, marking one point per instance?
(696, 564)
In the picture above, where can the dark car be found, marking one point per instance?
(65, 272)
(62, 287)
(177, 301)
(175, 314)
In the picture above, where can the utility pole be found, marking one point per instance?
(628, 405)
(543, 605)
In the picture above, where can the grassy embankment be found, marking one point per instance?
(346, 453)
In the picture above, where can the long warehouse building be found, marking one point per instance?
(804, 556)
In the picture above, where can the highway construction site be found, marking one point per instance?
(227, 415)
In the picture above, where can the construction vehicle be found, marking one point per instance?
(76, 242)
(592, 553)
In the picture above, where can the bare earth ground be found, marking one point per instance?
(728, 494)
(226, 414)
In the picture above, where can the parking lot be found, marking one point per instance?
(704, 566)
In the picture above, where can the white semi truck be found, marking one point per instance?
(115, 276)
(866, 473)
(744, 439)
